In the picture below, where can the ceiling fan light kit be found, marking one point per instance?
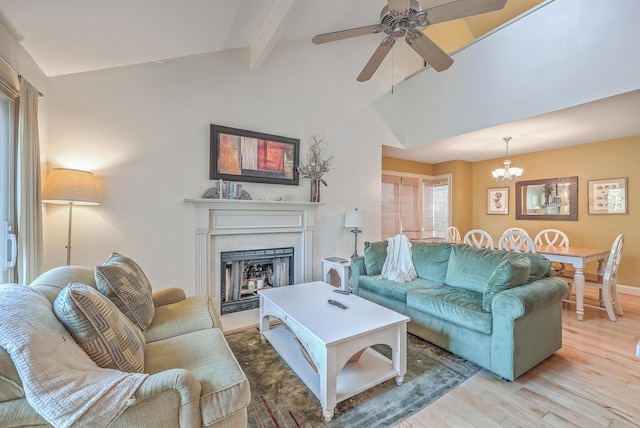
(508, 174)
(405, 18)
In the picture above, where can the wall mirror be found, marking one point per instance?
(547, 199)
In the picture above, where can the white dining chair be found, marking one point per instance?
(478, 238)
(453, 235)
(607, 282)
(554, 237)
(517, 229)
(516, 241)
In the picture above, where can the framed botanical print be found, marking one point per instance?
(498, 200)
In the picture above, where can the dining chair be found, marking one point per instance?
(607, 282)
(516, 241)
(517, 229)
(554, 237)
(478, 238)
(453, 235)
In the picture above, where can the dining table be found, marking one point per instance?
(578, 257)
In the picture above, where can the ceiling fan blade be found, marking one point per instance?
(376, 59)
(462, 9)
(429, 50)
(345, 34)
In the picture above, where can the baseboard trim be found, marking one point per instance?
(628, 289)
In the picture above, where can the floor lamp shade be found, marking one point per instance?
(72, 187)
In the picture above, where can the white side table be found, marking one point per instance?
(342, 268)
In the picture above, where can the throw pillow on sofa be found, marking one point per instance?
(375, 254)
(130, 294)
(130, 265)
(509, 274)
(101, 330)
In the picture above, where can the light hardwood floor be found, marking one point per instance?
(593, 381)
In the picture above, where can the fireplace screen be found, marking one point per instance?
(245, 272)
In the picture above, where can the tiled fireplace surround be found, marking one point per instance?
(228, 225)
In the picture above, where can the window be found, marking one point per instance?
(418, 206)
(8, 94)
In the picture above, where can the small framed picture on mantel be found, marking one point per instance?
(498, 200)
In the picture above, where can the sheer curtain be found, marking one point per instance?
(28, 183)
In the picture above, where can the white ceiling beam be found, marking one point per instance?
(269, 33)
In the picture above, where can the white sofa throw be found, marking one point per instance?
(398, 266)
(60, 381)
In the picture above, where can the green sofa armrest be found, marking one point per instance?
(155, 406)
(529, 297)
(168, 296)
(357, 269)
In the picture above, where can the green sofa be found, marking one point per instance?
(498, 309)
(194, 379)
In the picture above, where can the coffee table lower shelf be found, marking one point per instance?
(371, 369)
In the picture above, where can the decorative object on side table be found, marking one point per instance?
(354, 219)
(73, 187)
(318, 163)
(608, 196)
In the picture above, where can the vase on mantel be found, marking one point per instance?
(315, 190)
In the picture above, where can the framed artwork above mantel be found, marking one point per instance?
(242, 155)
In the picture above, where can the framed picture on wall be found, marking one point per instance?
(608, 196)
(498, 200)
(241, 155)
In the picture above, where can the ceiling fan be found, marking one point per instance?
(405, 18)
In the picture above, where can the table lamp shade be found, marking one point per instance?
(70, 186)
(354, 218)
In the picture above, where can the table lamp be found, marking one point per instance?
(72, 187)
(354, 219)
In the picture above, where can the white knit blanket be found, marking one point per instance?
(398, 266)
(60, 381)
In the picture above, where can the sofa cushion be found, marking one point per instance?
(53, 281)
(431, 259)
(205, 353)
(540, 266)
(191, 314)
(471, 267)
(375, 254)
(392, 289)
(101, 330)
(456, 305)
(508, 274)
(128, 291)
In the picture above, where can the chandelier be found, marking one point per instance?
(508, 174)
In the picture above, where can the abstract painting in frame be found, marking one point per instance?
(608, 196)
(498, 200)
(242, 155)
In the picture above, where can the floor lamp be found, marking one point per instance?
(72, 187)
(354, 219)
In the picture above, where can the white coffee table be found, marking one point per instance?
(331, 336)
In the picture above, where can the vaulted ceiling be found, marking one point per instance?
(72, 36)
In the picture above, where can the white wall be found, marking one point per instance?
(564, 54)
(144, 132)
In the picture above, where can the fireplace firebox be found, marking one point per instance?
(244, 272)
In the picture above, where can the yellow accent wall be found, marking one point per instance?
(606, 159)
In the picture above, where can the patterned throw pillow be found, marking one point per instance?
(98, 326)
(128, 264)
(128, 291)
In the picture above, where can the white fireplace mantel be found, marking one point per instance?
(225, 217)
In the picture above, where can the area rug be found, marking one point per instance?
(280, 399)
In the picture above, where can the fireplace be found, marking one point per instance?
(242, 225)
(245, 272)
